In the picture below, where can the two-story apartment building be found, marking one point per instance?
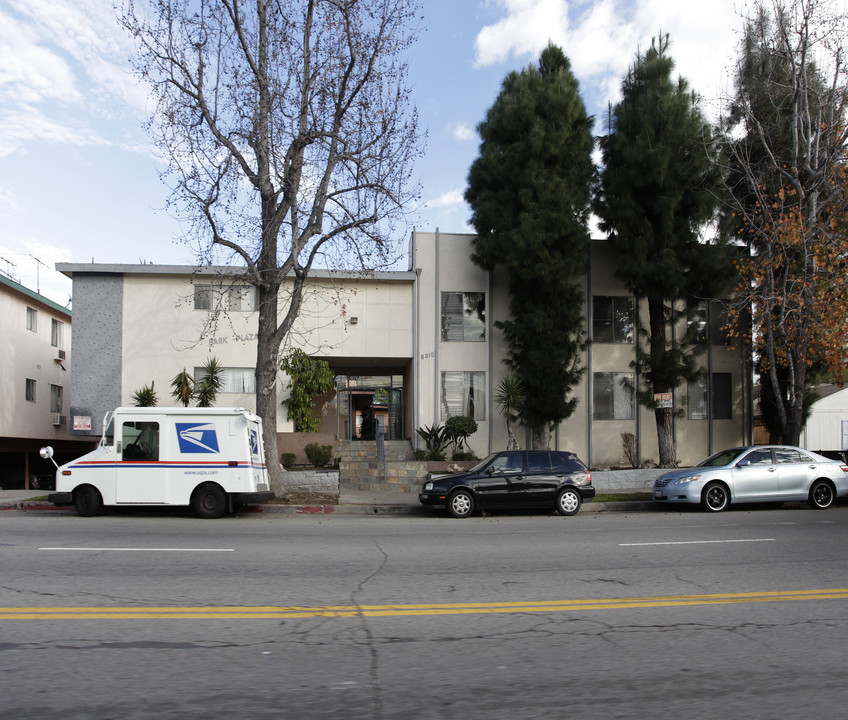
(413, 347)
(35, 364)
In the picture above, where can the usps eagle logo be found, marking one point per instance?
(254, 442)
(197, 437)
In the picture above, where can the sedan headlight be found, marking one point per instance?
(428, 487)
(685, 480)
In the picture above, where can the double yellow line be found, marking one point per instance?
(266, 612)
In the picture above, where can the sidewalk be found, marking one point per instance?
(351, 502)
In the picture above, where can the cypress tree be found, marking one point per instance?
(658, 190)
(530, 193)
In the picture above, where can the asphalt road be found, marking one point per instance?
(660, 615)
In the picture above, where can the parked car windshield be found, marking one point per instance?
(725, 457)
(480, 465)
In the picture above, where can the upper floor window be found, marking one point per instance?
(612, 319)
(464, 393)
(56, 333)
(55, 398)
(463, 316)
(32, 319)
(234, 298)
(30, 390)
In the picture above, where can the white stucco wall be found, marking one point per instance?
(27, 354)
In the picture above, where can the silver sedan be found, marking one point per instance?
(758, 473)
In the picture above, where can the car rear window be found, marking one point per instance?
(566, 462)
(538, 462)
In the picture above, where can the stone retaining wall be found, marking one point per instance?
(324, 482)
(408, 476)
(606, 480)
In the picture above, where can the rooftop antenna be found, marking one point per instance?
(38, 273)
(9, 266)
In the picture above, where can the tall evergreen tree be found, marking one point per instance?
(658, 190)
(530, 192)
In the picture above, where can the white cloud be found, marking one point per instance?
(64, 72)
(9, 204)
(450, 199)
(602, 38)
(461, 132)
(526, 29)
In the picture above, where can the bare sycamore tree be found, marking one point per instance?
(788, 181)
(290, 135)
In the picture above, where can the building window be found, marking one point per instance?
(56, 333)
(463, 317)
(696, 322)
(464, 393)
(720, 394)
(232, 298)
(719, 322)
(55, 398)
(233, 380)
(30, 390)
(32, 319)
(613, 396)
(697, 399)
(612, 319)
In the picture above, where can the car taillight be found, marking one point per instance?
(844, 468)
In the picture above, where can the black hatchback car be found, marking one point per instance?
(511, 479)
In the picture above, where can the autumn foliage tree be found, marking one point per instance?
(786, 165)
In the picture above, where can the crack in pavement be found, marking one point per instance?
(374, 668)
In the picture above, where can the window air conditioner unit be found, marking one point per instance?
(60, 355)
(59, 419)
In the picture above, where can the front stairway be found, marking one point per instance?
(360, 468)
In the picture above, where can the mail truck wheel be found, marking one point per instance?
(209, 501)
(87, 501)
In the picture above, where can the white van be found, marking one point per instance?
(212, 459)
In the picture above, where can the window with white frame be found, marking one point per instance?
(56, 331)
(32, 319)
(612, 319)
(233, 298)
(463, 317)
(55, 398)
(30, 390)
(613, 396)
(233, 380)
(464, 393)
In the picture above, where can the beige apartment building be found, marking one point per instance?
(413, 346)
(35, 364)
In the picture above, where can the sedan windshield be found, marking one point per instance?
(725, 457)
(480, 465)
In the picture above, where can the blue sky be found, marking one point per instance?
(79, 179)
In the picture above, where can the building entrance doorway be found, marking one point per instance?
(368, 405)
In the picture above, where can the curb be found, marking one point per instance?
(408, 510)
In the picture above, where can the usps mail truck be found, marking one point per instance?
(211, 459)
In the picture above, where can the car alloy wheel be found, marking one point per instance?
(568, 502)
(461, 504)
(821, 495)
(715, 498)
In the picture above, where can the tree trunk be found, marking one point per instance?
(665, 438)
(267, 356)
(542, 438)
